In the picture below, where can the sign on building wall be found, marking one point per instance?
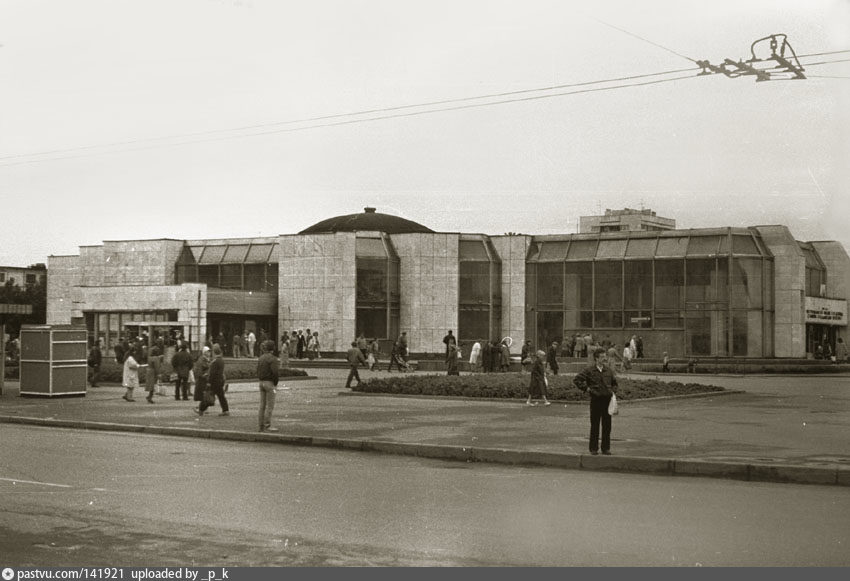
(826, 311)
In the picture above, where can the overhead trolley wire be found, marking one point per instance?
(350, 114)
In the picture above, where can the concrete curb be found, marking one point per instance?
(777, 473)
(521, 400)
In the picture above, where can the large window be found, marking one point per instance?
(689, 293)
(480, 290)
(377, 288)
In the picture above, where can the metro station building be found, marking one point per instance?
(753, 292)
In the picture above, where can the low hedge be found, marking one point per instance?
(515, 386)
(112, 372)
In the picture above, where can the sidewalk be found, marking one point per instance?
(777, 429)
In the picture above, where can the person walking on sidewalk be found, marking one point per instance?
(94, 360)
(537, 388)
(153, 371)
(181, 363)
(216, 382)
(451, 359)
(355, 359)
(599, 381)
(552, 357)
(201, 372)
(130, 376)
(268, 372)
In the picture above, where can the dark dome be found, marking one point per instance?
(368, 220)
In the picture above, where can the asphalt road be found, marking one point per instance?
(108, 499)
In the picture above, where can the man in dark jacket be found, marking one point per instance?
(599, 381)
(552, 357)
(217, 381)
(268, 371)
(94, 361)
(355, 359)
(182, 364)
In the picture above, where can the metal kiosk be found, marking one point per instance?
(53, 360)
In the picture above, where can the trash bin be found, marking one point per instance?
(53, 360)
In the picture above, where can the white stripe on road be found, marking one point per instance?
(18, 480)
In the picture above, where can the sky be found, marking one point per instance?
(191, 119)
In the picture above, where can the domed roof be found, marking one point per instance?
(368, 220)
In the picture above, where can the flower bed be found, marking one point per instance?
(515, 386)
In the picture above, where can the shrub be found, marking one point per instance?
(515, 386)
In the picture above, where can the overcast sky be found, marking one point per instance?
(131, 119)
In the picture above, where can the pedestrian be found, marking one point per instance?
(201, 371)
(451, 359)
(840, 351)
(633, 346)
(505, 357)
(300, 345)
(130, 376)
(475, 357)
(627, 356)
(449, 340)
(665, 363)
(313, 346)
(153, 371)
(395, 358)
(486, 355)
(284, 350)
(639, 345)
(293, 344)
(374, 353)
(268, 372)
(552, 357)
(578, 346)
(251, 341)
(94, 360)
(216, 382)
(362, 344)
(599, 381)
(615, 360)
(403, 348)
(525, 356)
(538, 386)
(355, 359)
(237, 349)
(181, 363)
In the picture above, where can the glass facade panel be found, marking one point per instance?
(582, 249)
(371, 282)
(255, 277)
(704, 245)
(553, 251)
(550, 327)
(231, 276)
(395, 292)
(638, 284)
(642, 247)
(669, 284)
(744, 245)
(669, 319)
(272, 277)
(372, 322)
(706, 280)
(369, 248)
(698, 333)
(768, 285)
(746, 283)
(609, 285)
(608, 319)
(186, 273)
(212, 254)
(259, 253)
(550, 284)
(208, 274)
(611, 248)
(672, 246)
(474, 324)
(641, 319)
(579, 284)
(235, 253)
(472, 250)
(474, 283)
(747, 333)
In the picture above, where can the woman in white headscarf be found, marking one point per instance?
(475, 357)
